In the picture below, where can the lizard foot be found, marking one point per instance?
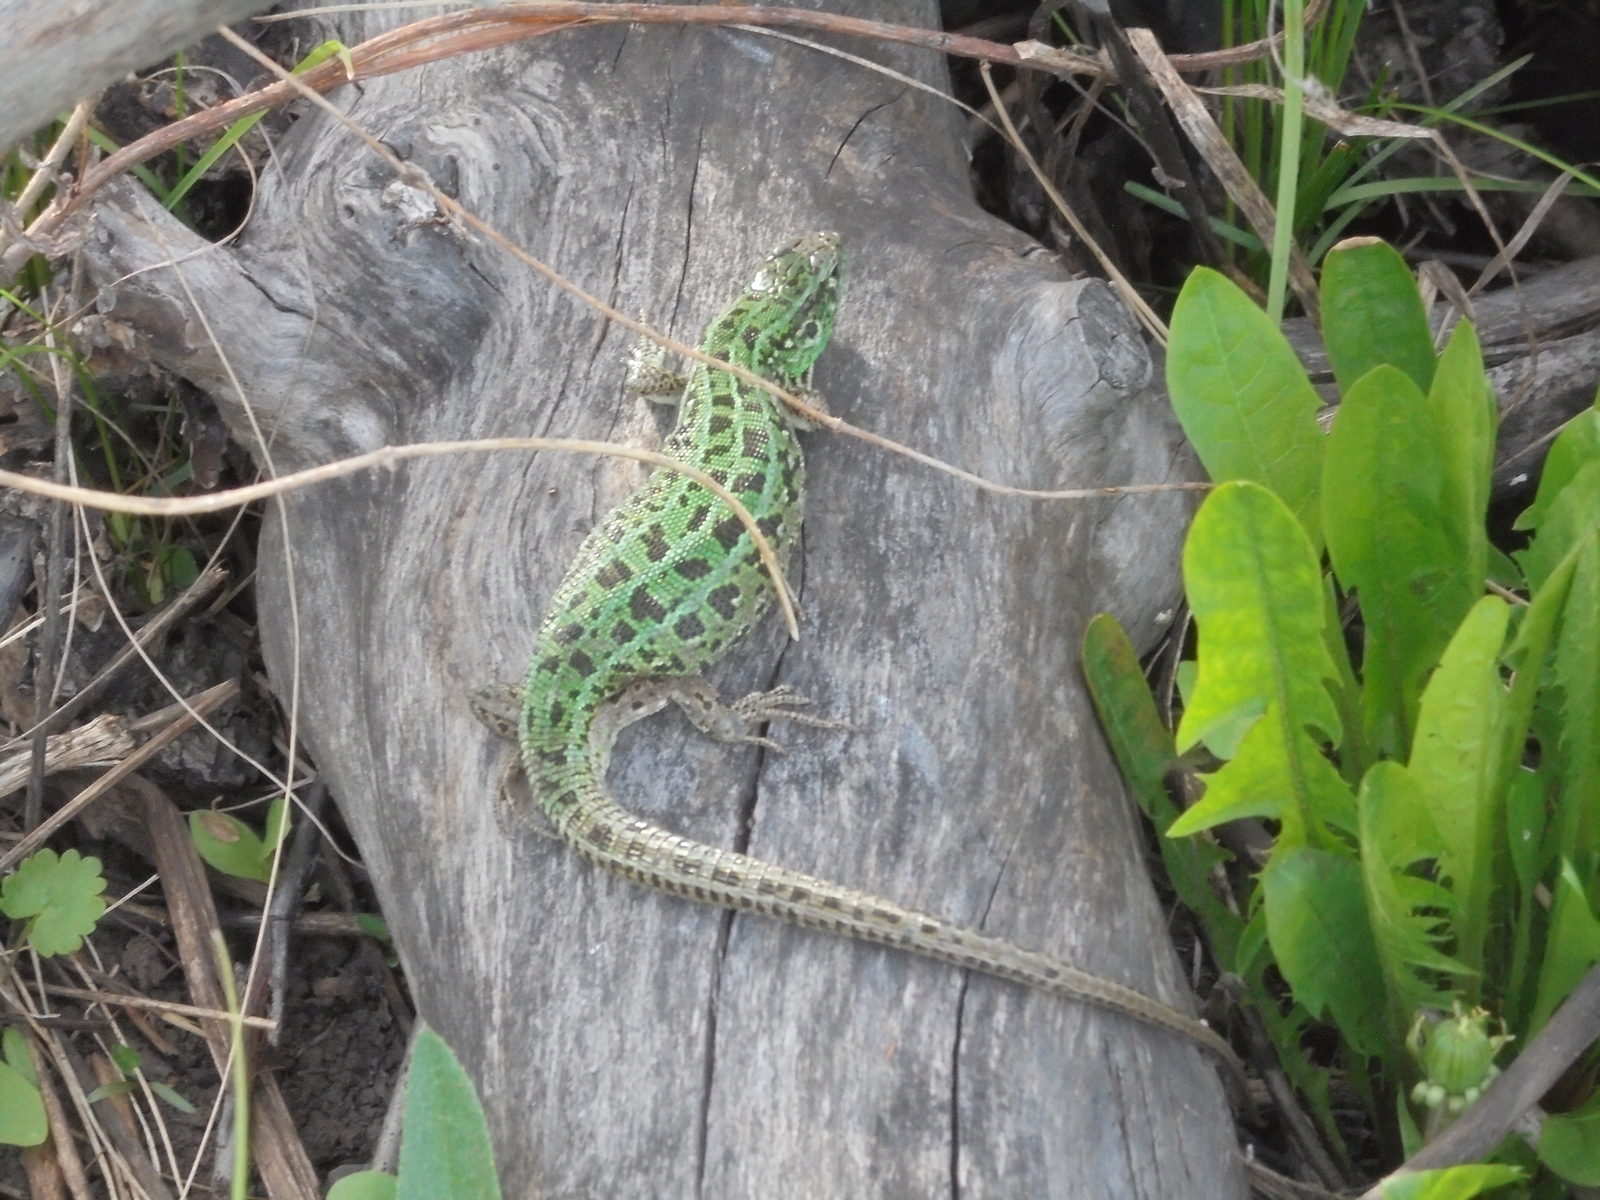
(648, 375)
(729, 722)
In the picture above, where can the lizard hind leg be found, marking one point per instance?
(730, 722)
(496, 707)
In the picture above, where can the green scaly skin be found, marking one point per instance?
(662, 587)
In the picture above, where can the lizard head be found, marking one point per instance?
(784, 319)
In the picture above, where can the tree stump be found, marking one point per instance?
(631, 1044)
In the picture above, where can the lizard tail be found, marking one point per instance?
(644, 853)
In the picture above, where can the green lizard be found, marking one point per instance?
(658, 591)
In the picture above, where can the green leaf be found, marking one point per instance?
(22, 1119)
(1525, 818)
(1143, 749)
(1317, 923)
(373, 926)
(16, 1050)
(1242, 396)
(1141, 743)
(1577, 675)
(1455, 761)
(1465, 416)
(278, 825)
(229, 845)
(1573, 514)
(1409, 914)
(1569, 1144)
(170, 1096)
(1372, 314)
(1529, 652)
(444, 1150)
(1353, 751)
(178, 568)
(1450, 1183)
(1571, 947)
(365, 1185)
(1256, 591)
(1278, 773)
(1410, 1136)
(1577, 446)
(117, 1087)
(62, 896)
(126, 1058)
(1395, 535)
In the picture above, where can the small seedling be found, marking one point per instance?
(234, 848)
(59, 897)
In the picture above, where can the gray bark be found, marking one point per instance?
(55, 52)
(626, 1043)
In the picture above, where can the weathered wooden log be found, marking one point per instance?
(630, 1044)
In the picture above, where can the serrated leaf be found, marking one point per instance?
(1455, 761)
(1574, 448)
(1450, 1183)
(1572, 515)
(1396, 535)
(1530, 651)
(229, 845)
(365, 1185)
(22, 1117)
(1242, 396)
(60, 897)
(1322, 940)
(1372, 314)
(1278, 773)
(1569, 1144)
(1255, 587)
(1256, 591)
(444, 1150)
(1397, 832)
(1571, 947)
